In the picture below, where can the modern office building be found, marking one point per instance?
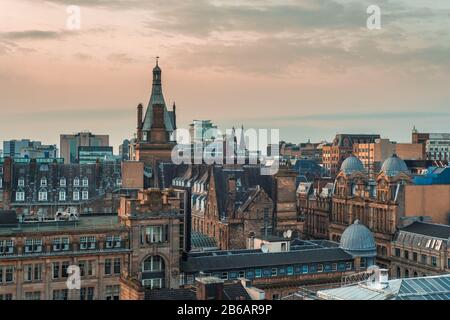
(70, 143)
(29, 149)
(89, 155)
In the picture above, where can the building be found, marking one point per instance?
(378, 204)
(29, 149)
(435, 145)
(89, 155)
(142, 243)
(314, 208)
(231, 203)
(372, 155)
(421, 249)
(335, 153)
(154, 138)
(124, 150)
(429, 195)
(70, 143)
(379, 287)
(42, 187)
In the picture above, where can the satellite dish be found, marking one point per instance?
(289, 233)
(264, 248)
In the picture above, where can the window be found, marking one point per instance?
(62, 182)
(362, 263)
(406, 254)
(85, 182)
(153, 283)
(305, 268)
(241, 274)
(60, 244)
(87, 243)
(43, 182)
(60, 294)
(32, 272)
(155, 234)
(274, 272)
(108, 266)
(433, 261)
(348, 266)
(9, 274)
(20, 196)
(334, 267)
(154, 263)
(35, 295)
(397, 252)
(258, 273)
(424, 259)
(7, 296)
(6, 246)
(85, 195)
(55, 270)
(320, 267)
(290, 271)
(117, 266)
(42, 195)
(112, 292)
(76, 182)
(113, 242)
(21, 182)
(224, 276)
(87, 293)
(119, 182)
(76, 196)
(33, 245)
(64, 266)
(414, 256)
(62, 195)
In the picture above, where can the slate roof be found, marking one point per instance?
(170, 294)
(255, 258)
(429, 229)
(235, 291)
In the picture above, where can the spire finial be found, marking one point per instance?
(157, 58)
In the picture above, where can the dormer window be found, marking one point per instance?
(85, 182)
(76, 182)
(21, 182)
(43, 182)
(62, 182)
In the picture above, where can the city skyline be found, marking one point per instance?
(313, 67)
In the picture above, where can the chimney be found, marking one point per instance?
(139, 122)
(209, 288)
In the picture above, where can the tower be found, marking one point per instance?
(154, 131)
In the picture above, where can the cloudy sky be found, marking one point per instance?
(311, 68)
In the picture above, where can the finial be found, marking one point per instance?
(157, 58)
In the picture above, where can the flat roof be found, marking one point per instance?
(85, 223)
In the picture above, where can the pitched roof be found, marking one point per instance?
(429, 229)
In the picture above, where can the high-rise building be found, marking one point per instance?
(124, 150)
(70, 143)
(26, 148)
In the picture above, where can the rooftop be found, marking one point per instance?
(85, 223)
(429, 229)
(421, 288)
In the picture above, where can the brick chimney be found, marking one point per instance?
(209, 288)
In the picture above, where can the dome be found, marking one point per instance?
(352, 164)
(393, 166)
(358, 240)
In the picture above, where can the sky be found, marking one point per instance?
(310, 68)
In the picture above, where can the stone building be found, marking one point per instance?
(335, 153)
(421, 249)
(143, 243)
(40, 187)
(378, 204)
(154, 139)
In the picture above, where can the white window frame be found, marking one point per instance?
(76, 182)
(43, 196)
(85, 195)
(62, 195)
(76, 196)
(62, 182)
(44, 182)
(85, 182)
(21, 182)
(20, 196)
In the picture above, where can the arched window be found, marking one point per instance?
(153, 272)
(406, 273)
(153, 264)
(399, 273)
